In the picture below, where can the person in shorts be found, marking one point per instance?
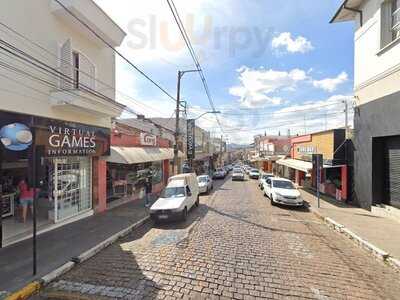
(26, 195)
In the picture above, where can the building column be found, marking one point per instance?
(99, 183)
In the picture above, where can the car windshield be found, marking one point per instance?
(282, 184)
(173, 192)
(254, 170)
(202, 179)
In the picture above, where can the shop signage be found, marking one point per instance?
(147, 139)
(71, 139)
(306, 149)
(59, 138)
(191, 143)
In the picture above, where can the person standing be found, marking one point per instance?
(26, 194)
(148, 189)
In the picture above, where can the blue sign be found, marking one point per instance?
(16, 137)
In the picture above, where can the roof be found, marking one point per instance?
(137, 155)
(345, 12)
(176, 183)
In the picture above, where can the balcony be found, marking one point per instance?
(92, 15)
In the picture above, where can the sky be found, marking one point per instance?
(271, 66)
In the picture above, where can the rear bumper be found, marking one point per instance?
(254, 176)
(238, 178)
(203, 189)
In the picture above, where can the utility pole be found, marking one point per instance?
(220, 150)
(178, 104)
(346, 116)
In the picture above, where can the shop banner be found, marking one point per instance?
(147, 139)
(59, 138)
(191, 142)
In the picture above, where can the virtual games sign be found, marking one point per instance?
(59, 138)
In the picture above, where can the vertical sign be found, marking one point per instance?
(191, 143)
(318, 162)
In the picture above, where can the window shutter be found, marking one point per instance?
(66, 66)
(87, 72)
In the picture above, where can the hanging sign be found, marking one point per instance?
(191, 142)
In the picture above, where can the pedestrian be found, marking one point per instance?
(26, 195)
(148, 187)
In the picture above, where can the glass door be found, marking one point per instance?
(72, 186)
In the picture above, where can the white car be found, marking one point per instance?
(254, 174)
(282, 191)
(237, 174)
(176, 200)
(219, 173)
(263, 177)
(205, 184)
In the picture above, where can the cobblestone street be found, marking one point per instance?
(235, 245)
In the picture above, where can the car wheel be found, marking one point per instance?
(207, 191)
(184, 214)
(273, 202)
(197, 203)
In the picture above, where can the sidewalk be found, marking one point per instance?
(382, 232)
(56, 247)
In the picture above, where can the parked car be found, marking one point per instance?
(205, 184)
(176, 200)
(219, 173)
(254, 174)
(247, 169)
(237, 174)
(282, 191)
(262, 178)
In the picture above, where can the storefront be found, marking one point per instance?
(135, 156)
(334, 175)
(59, 155)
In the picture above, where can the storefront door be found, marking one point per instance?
(71, 186)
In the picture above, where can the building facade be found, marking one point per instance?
(332, 145)
(377, 95)
(57, 103)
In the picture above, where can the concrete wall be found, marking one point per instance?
(375, 119)
(373, 64)
(34, 20)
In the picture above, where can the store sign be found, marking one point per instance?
(191, 142)
(71, 139)
(306, 149)
(147, 139)
(16, 136)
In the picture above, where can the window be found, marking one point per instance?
(390, 21)
(396, 19)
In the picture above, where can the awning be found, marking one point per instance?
(301, 165)
(137, 155)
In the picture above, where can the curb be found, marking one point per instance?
(35, 286)
(379, 253)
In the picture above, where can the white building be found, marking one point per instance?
(377, 94)
(57, 80)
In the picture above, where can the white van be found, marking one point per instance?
(176, 200)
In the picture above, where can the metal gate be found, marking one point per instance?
(392, 171)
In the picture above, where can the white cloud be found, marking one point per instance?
(298, 45)
(331, 84)
(258, 85)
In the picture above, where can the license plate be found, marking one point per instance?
(163, 217)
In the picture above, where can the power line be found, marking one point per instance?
(188, 43)
(116, 51)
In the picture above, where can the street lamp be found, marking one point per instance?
(208, 112)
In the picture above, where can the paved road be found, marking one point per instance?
(234, 246)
